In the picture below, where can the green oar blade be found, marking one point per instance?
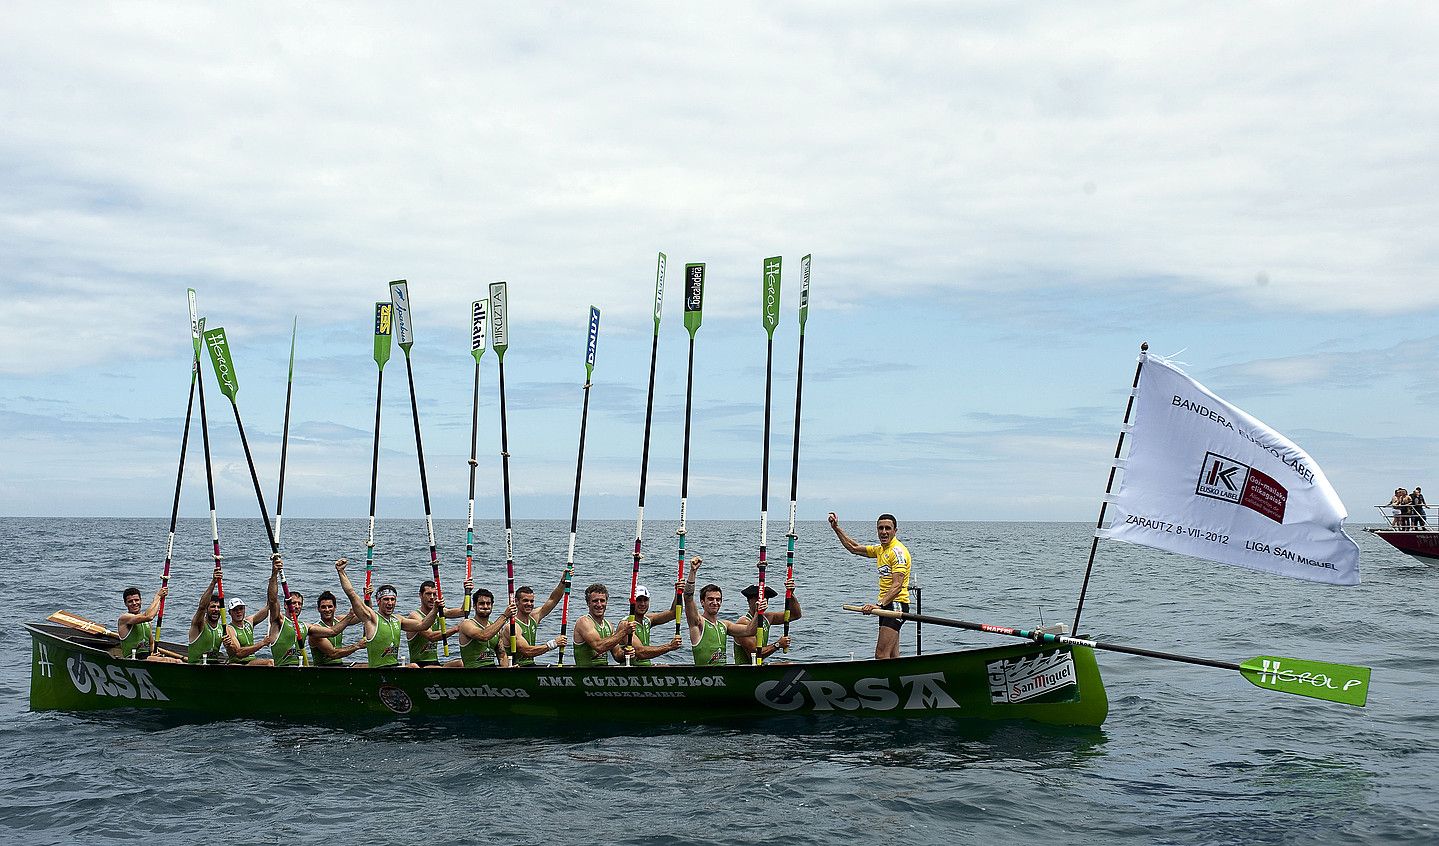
(771, 294)
(479, 315)
(803, 292)
(499, 318)
(592, 343)
(383, 324)
(659, 288)
(223, 365)
(400, 299)
(1342, 683)
(294, 327)
(694, 296)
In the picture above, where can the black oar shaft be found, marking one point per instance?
(509, 531)
(793, 484)
(644, 477)
(574, 516)
(374, 485)
(210, 493)
(684, 483)
(764, 480)
(474, 463)
(175, 508)
(425, 495)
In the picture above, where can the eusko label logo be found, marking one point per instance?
(1221, 477)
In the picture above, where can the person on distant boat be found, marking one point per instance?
(424, 649)
(134, 627)
(595, 639)
(208, 632)
(243, 626)
(745, 648)
(1417, 503)
(1400, 504)
(330, 650)
(479, 638)
(644, 652)
(528, 619)
(707, 631)
(894, 562)
(382, 628)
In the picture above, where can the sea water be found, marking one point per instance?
(1189, 755)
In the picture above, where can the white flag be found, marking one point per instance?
(1204, 478)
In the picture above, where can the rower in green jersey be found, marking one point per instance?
(707, 631)
(330, 650)
(424, 644)
(208, 632)
(383, 629)
(135, 628)
(595, 639)
(643, 650)
(480, 644)
(528, 619)
(746, 647)
(243, 625)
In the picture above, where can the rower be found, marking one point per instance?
(134, 626)
(528, 619)
(745, 648)
(595, 638)
(243, 626)
(643, 651)
(894, 563)
(423, 651)
(480, 638)
(382, 628)
(707, 630)
(330, 650)
(207, 628)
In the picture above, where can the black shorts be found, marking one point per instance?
(893, 622)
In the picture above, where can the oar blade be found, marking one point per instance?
(294, 327)
(660, 266)
(803, 292)
(771, 294)
(499, 318)
(479, 316)
(592, 344)
(223, 365)
(400, 299)
(383, 332)
(195, 324)
(1343, 683)
(694, 296)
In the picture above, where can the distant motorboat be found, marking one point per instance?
(1410, 529)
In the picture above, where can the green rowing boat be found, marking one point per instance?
(76, 671)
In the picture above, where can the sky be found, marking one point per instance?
(1002, 202)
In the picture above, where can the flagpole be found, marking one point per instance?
(1109, 486)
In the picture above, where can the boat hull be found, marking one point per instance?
(1419, 543)
(1022, 681)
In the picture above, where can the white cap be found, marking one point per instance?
(236, 602)
(642, 591)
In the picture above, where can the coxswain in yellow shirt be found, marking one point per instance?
(893, 560)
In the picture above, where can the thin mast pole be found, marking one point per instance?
(645, 452)
(1109, 485)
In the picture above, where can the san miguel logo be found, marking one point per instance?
(1232, 481)
(1021, 679)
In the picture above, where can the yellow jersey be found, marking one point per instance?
(894, 563)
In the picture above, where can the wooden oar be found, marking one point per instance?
(383, 312)
(500, 340)
(645, 451)
(400, 299)
(794, 453)
(1343, 683)
(769, 311)
(590, 346)
(478, 311)
(197, 329)
(175, 507)
(224, 367)
(694, 315)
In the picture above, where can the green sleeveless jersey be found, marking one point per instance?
(426, 650)
(761, 638)
(383, 650)
(207, 645)
(710, 649)
(136, 641)
(245, 635)
(642, 634)
(479, 653)
(527, 628)
(585, 655)
(321, 660)
(287, 648)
